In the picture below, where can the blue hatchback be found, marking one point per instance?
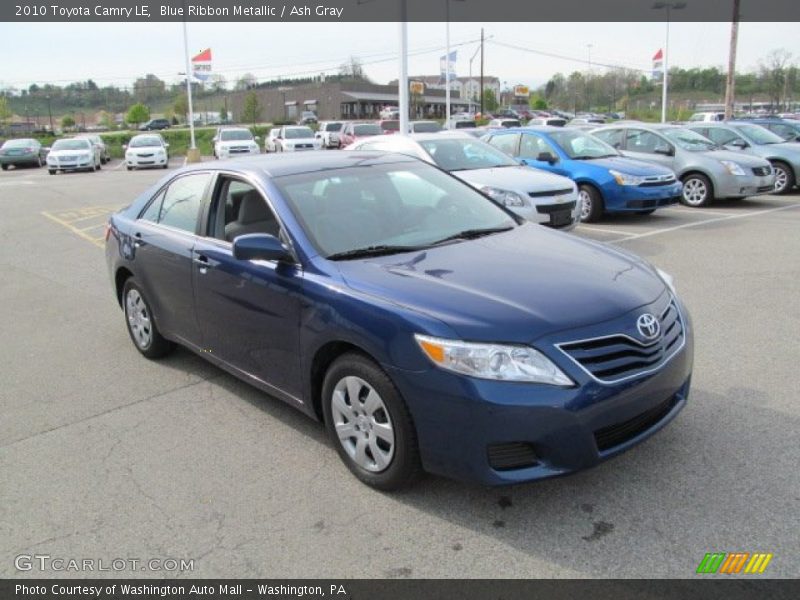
(428, 327)
(607, 181)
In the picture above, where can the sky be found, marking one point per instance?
(117, 53)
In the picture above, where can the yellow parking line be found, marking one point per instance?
(96, 241)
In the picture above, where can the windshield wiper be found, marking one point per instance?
(367, 251)
(471, 234)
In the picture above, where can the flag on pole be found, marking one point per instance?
(201, 65)
(658, 64)
(447, 67)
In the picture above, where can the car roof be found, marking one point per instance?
(290, 163)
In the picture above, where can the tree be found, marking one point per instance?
(223, 114)
(105, 119)
(138, 113)
(181, 105)
(67, 122)
(245, 82)
(772, 73)
(489, 100)
(148, 88)
(251, 111)
(352, 71)
(5, 111)
(217, 82)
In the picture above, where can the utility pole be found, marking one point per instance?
(50, 112)
(481, 71)
(730, 85)
(402, 83)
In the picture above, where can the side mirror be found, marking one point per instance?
(739, 143)
(124, 146)
(257, 138)
(665, 150)
(546, 157)
(215, 139)
(166, 144)
(260, 246)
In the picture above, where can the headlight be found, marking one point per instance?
(504, 197)
(626, 178)
(733, 168)
(668, 280)
(492, 361)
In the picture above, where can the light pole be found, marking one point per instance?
(478, 49)
(50, 112)
(667, 6)
(192, 155)
(447, 123)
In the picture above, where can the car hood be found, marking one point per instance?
(629, 166)
(511, 287)
(519, 179)
(748, 160)
(229, 143)
(58, 153)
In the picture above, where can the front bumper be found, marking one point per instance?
(636, 198)
(150, 160)
(19, 159)
(549, 212)
(462, 421)
(735, 186)
(71, 164)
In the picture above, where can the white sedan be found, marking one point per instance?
(73, 154)
(146, 150)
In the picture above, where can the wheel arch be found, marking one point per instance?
(690, 172)
(120, 277)
(323, 359)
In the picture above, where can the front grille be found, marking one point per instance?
(560, 213)
(613, 358)
(657, 181)
(238, 150)
(563, 192)
(762, 171)
(765, 188)
(614, 435)
(145, 155)
(514, 455)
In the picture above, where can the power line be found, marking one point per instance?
(564, 57)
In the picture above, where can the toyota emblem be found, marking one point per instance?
(648, 326)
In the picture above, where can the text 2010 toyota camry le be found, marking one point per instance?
(428, 327)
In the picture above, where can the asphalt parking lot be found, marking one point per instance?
(104, 454)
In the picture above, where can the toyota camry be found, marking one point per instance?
(427, 326)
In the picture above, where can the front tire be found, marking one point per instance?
(141, 324)
(4, 167)
(784, 177)
(369, 423)
(591, 203)
(697, 191)
(51, 171)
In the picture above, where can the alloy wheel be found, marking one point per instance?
(695, 192)
(586, 204)
(781, 179)
(363, 424)
(138, 319)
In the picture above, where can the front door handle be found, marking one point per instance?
(137, 242)
(202, 261)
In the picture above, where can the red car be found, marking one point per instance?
(355, 131)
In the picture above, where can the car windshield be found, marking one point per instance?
(387, 208)
(582, 146)
(333, 127)
(759, 135)
(23, 143)
(74, 144)
(426, 127)
(464, 154)
(237, 135)
(145, 141)
(294, 133)
(367, 129)
(688, 139)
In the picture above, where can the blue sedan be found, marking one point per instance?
(607, 182)
(428, 327)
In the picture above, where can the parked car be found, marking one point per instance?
(155, 125)
(580, 121)
(389, 125)
(357, 130)
(22, 151)
(534, 195)
(707, 172)
(427, 327)
(547, 121)
(296, 138)
(607, 182)
(100, 144)
(425, 126)
(233, 142)
(390, 112)
(746, 138)
(707, 117)
(788, 129)
(329, 132)
(146, 150)
(73, 154)
(271, 140)
(308, 117)
(497, 123)
(463, 124)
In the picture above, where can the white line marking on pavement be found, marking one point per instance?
(699, 223)
(602, 230)
(18, 182)
(119, 166)
(700, 212)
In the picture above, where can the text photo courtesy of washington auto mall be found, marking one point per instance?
(447, 299)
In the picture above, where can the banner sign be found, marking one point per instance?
(201, 65)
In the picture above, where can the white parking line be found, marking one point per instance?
(17, 182)
(582, 227)
(699, 223)
(698, 211)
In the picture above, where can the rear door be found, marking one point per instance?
(248, 311)
(648, 146)
(164, 236)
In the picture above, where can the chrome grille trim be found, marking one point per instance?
(644, 357)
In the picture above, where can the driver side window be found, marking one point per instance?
(722, 136)
(532, 146)
(638, 140)
(239, 209)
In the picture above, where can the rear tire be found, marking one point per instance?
(784, 177)
(141, 323)
(4, 167)
(591, 203)
(51, 171)
(697, 191)
(130, 168)
(369, 423)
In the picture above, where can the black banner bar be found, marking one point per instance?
(701, 588)
(390, 10)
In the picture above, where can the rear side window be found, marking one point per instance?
(612, 137)
(179, 205)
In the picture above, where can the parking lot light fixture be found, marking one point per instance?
(668, 6)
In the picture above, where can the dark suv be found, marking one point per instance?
(155, 125)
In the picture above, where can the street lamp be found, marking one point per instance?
(668, 6)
